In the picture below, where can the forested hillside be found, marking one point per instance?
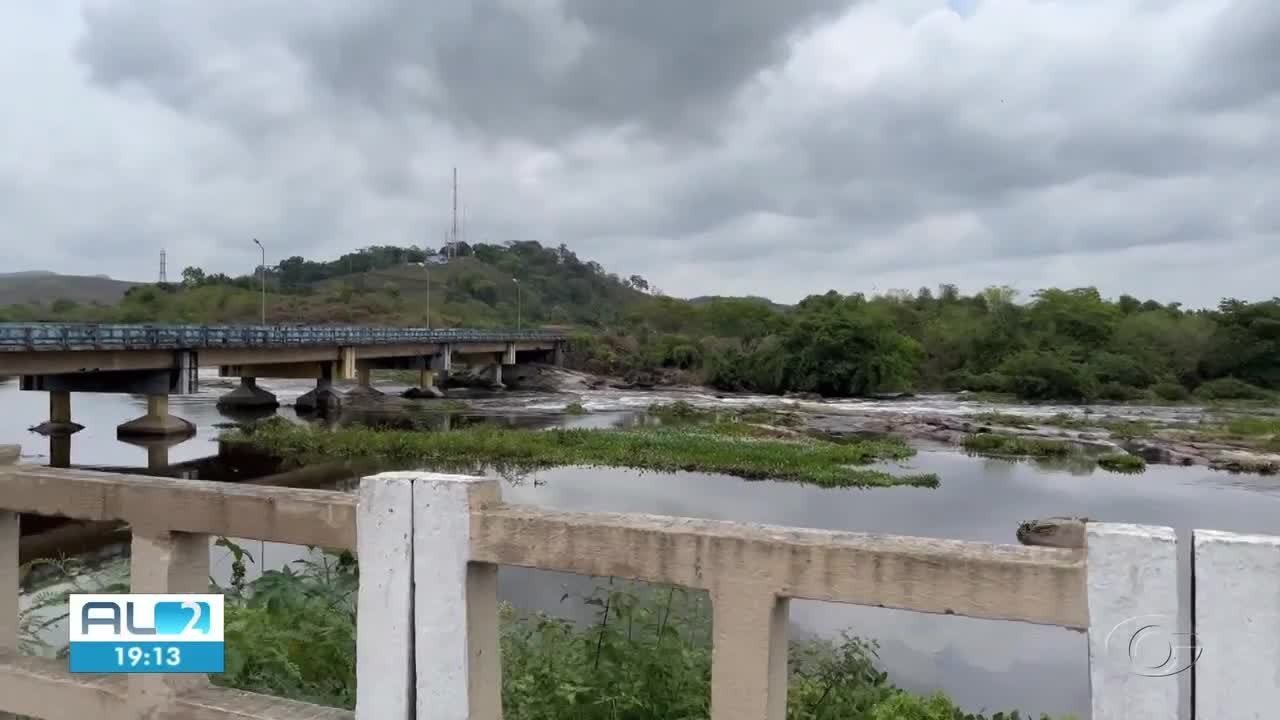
(1068, 345)
(381, 285)
(1058, 344)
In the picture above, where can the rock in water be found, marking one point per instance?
(1060, 532)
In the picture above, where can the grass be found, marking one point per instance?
(997, 444)
(1253, 426)
(681, 412)
(1122, 463)
(575, 408)
(645, 655)
(1118, 427)
(726, 448)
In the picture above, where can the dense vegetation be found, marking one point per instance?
(1061, 344)
(728, 446)
(1067, 345)
(647, 655)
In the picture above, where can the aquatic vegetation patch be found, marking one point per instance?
(725, 448)
(681, 412)
(998, 444)
(1122, 463)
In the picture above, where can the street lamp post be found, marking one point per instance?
(264, 279)
(427, 266)
(518, 308)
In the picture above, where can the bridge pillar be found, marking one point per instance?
(59, 452)
(346, 369)
(157, 422)
(495, 376)
(59, 422)
(558, 355)
(364, 383)
(322, 399)
(442, 361)
(248, 397)
(426, 386)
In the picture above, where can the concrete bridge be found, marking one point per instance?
(430, 546)
(162, 360)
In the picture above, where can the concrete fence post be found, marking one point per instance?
(165, 562)
(384, 622)
(9, 571)
(1133, 619)
(1236, 588)
(10, 541)
(748, 654)
(455, 602)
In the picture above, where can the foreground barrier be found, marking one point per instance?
(430, 545)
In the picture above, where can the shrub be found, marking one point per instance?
(1035, 375)
(1231, 389)
(1120, 369)
(1170, 391)
(979, 382)
(1119, 393)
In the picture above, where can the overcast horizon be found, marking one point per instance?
(751, 147)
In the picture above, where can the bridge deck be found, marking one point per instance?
(29, 337)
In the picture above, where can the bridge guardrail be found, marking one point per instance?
(450, 534)
(28, 337)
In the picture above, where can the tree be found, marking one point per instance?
(192, 276)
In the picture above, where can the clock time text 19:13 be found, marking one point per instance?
(149, 656)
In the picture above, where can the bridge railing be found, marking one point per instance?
(430, 546)
(26, 337)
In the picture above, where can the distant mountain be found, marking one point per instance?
(41, 286)
(27, 274)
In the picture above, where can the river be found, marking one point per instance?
(982, 664)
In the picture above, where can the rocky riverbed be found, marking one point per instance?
(1186, 435)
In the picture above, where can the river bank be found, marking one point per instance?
(1228, 437)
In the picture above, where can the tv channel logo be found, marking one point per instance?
(142, 633)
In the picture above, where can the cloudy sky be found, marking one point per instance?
(715, 146)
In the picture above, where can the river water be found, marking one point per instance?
(982, 664)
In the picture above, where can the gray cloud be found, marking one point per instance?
(754, 146)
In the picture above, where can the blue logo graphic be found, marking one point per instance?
(140, 633)
(174, 618)
(171, 618)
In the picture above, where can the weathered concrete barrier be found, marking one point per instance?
(430, 545)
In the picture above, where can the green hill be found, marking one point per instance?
(46, 288)
(377, 285)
